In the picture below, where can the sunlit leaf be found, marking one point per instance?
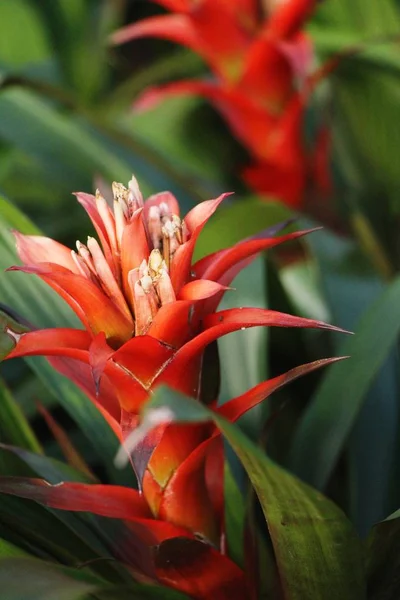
(25, 41)
(9, 550)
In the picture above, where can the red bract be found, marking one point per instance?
(261, 84)
(164, 553)
(148, 314)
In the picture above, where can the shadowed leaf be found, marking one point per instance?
(383, 559)
(14, 426)
(332, 413)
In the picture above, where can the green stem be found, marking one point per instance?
(371, 245)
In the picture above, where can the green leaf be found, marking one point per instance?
(382, 549)
(59, 535)
(333, 411)
(78, 32)
(72, 147)
(14, 427)
(25, 41)
(301, 282)
(234, 517)
(172, 127)
(15, 218)
(25, 578)
(366, 109)
(141, 592)
(317, 552)
(71, 538)
(366, 17)
(18, 461)
(376, 52)
(67, 151)
(350, 286)
(31, 579)
(9, 550)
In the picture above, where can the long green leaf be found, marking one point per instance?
(366, 17)
(67, 151)
(331, 415)
(31, 579)
(17, 461)
(383, 559)
(25, 41)
(234, 516)
(24, 578)
(317, 551)
(15, 218)
(9, 550)
(14, 427)
(72, 147)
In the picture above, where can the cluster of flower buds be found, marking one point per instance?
(148, 284)
(151, 288)
(167, 232)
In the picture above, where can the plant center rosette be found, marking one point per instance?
(148, 313)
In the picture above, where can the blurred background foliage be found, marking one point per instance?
(66, 125)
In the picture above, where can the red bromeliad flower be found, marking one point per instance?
(262, 81)
(148, 314)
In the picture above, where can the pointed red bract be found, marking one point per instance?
(88, 201)
(53, 342)
(223, 266)
(81, 374)
(237, 407)
(289, 17)
(92, 306)
(195, 222)
(199, 570)
(106, 500)
(201, 289)
(222, 323)
(36, 248)
(176, 28)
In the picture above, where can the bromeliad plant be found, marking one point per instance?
(263, 76)
(148, 315)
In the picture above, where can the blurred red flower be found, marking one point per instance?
(263, 77)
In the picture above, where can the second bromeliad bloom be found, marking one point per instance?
(262, 65)
(148, 314)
